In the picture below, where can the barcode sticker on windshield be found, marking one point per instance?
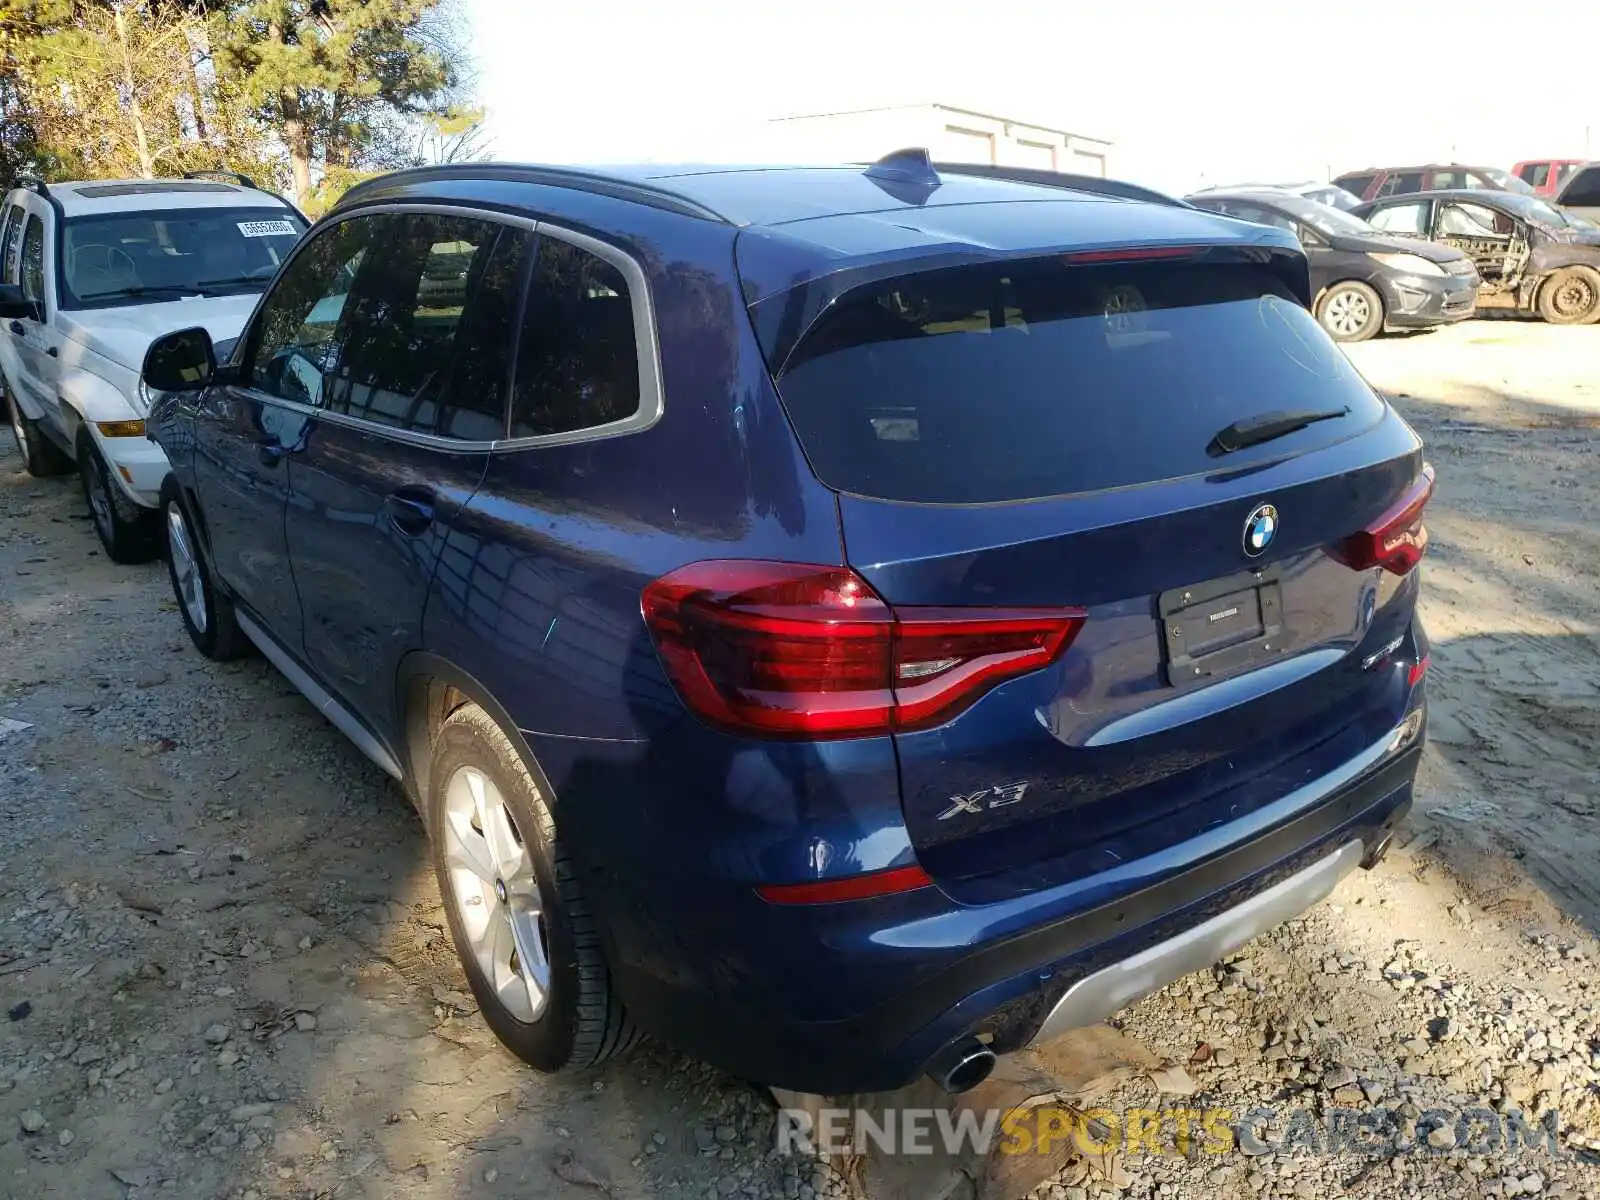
(268, 229)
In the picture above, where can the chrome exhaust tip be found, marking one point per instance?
(962, 1065)
(1375, 856)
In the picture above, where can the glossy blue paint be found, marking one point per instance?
(1151, 802)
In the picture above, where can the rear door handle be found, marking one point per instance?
(411, 509)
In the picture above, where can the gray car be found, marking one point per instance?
(1532, 257)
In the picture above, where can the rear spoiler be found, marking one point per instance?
(784, 318)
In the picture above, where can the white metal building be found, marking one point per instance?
(949, 133)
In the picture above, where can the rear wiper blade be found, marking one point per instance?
(1252, 431)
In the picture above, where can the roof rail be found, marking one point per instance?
(233, 176)
(596, 182)
(1063, 179)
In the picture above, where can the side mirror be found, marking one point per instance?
(183, 361)
(14, 306)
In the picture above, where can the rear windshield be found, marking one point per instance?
(996, 383)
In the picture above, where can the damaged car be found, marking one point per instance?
(1362, 281)
(1531, 256)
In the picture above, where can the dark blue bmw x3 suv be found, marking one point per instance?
(848, 622)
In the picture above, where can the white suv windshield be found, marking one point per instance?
(139, 257)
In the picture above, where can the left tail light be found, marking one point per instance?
(1397, 540)
(794, 650)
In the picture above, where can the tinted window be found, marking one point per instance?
(1454, 179)
(578, 364)
(1537, 174)
(1399, 183)
(10, 236)
(401, 320)
(1401, 218)
(1356, 183)
(994, 383)
(293, 338)
(1583, 190)
(33, 261)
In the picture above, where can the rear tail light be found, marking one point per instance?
(1397, 540)
(789, 650)
(1418, 670)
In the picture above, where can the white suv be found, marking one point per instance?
(90, 275)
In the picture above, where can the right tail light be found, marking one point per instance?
(1397, 540)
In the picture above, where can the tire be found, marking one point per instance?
(1350, 311)
(1571, 296)
(40, 456)
(207, 613)
(129, 532)
(517, 891)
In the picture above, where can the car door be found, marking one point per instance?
(410, 406)
(246, 428)
(1493, 239)
(38, 362)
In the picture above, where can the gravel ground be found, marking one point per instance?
(227, 975)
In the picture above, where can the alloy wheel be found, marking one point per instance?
(186, 569)
(1347, 313)
(496, 893)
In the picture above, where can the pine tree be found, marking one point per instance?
(337, 79)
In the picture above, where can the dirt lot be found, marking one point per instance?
(226, 973)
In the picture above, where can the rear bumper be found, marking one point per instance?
(1031, 968)
(1111, 989)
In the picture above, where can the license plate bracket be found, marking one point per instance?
(1221, 626)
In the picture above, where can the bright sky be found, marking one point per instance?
(1190, 91)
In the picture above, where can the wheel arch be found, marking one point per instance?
(173, 487)
(428, 689)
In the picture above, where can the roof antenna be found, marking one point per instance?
(907, 175)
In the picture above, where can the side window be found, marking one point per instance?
(1401, 183)
(1356, 184)
(578, 362)
(1473, 221)
(1401, 218)
(294, 343)
(1538, 174)
(33, 261)
(413, 318)
(10, 238)
(1583, 191)
(1445, 180)
(1309, 236)
(1264, 216)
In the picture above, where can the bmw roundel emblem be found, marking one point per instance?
(1260, 527)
